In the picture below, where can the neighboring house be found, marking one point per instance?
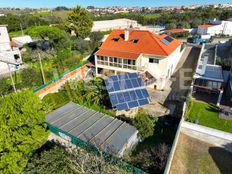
(156, 29)
(9, 54)
(108, 25)
(208, 77)
(154, 56)
(216, 27)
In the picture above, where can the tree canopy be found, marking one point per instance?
(80, 21)
(144, 123)
(56, 37)
(23, 130)
(55, 159)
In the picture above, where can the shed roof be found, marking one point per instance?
(106, 133)
(212, 73)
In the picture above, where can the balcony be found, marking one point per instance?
(117, 63)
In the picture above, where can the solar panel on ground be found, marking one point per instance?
(127, 91)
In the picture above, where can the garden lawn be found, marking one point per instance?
(208, 115)
(196, 157)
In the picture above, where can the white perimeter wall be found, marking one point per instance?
(208, 135)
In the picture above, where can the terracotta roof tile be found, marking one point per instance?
(13, 44)
(206, 26)
(118, 54)
(147, 43)
(178, 30)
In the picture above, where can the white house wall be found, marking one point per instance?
(164, 69)
(4, 37)
(227, 28)
(224, 28)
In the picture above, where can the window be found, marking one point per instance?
(115, 39)
(152, 60)
(135, 40)
(129, 64)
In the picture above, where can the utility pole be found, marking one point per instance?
(41, 69)
(12, 80)
(21, 29)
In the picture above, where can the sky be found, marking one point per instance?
(103, 3)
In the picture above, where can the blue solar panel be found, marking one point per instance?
(132, 75)
(140, 81)
(139, 93)
(168, 38)
(122, 106)
(109, 87)
(128, 84)
(127, 91)
(113, 78)
(133, 104)
(132, 95)
(145, 93)
(143, 102)
(116, 86)
(135, 83)
(114, 99)
(120, 97)
(165, 41)
(123, 76)
(127, 96)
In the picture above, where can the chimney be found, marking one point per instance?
(126, 35)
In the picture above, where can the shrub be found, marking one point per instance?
(54, 100)
(31, 78)
(23, 130)
(5, 88)
(144, 123)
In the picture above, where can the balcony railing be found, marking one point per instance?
(117, 65)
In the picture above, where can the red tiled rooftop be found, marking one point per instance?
(206, 26)
(148, 43)
(176, 31)
(118, 54)
(13, 44)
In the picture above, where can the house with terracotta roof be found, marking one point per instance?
(153, 56)
(216, 27)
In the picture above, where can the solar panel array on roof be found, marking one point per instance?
(127, 91)
(164, 41)
(167, 40)
(107, 133)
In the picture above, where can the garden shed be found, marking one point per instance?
(83, 126)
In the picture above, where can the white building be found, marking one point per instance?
(8, 53)
(154, 56)
(22, 40)
(216, 27)
(108, 25)
(208, 77)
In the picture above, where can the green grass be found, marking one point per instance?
(15, 34)
(208, 115)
